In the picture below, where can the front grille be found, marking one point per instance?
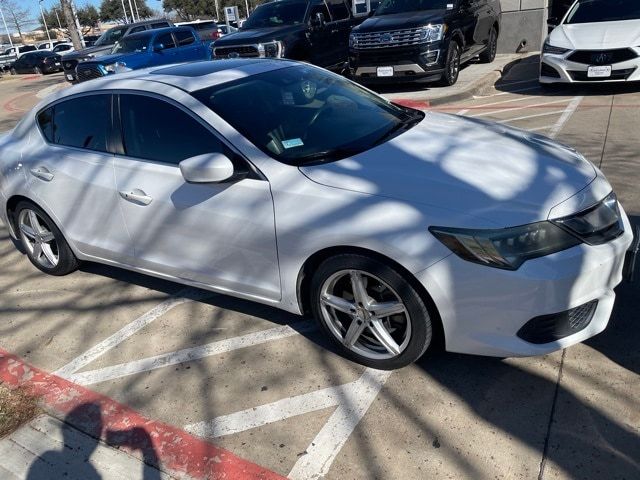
(550, 328)
(393, 38)
(240, 51)
(69, 64)
(89, 72)
(549, 71)
(602, 57)
(615, 75)
(389, 57)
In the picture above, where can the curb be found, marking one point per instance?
(170, 449)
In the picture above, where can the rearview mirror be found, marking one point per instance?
(207, 168)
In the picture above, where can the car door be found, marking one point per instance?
(220, 235)
(322, 51)
(21, 65)
(188, 48)
(71, 174)
(338, 31)
(164, 49)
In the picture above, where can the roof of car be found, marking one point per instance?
(157, 31)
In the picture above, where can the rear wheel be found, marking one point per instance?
(13, 71)
(42, 240)
(489, 55)
(37, 70)
(452, 65)
(370, 311)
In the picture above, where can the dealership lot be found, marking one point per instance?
(262, 383)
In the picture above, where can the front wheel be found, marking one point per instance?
(370, 311)
(489, 54)
(37, 70)
(42, 240)
(452, 65)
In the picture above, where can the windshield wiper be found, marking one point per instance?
(405, 124)
(327, 155)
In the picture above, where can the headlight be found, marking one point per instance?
(548, 48)
(506, 248)
(596, 225)
(352, 40)
(273, 49)
(118, 67)
(432, 33)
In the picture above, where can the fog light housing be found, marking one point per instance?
(551, 328)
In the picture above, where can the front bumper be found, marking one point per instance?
(562, 69)
(420, 62)
(484, 309)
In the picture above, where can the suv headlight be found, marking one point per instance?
(509, 248)
(352, 40)
(548, 48)
(117, 67)
(432, 33)
(273, 49)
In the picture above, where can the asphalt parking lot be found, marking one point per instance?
(265, 385)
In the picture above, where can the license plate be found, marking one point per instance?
(384, 71)
(599, 72)
(70, 77)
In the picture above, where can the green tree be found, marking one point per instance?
(89, 17)
(111, 10)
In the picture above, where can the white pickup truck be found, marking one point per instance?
(11, 54)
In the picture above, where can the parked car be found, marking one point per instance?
(11, 54)
(424, 40)
(63, 48)
(596, 41)
(147, 49)
(90, 40)
(105, 43)
(227, 29)
(40, 61)
(282, 183)
(316, 31)
(48, 45)
(208, 30)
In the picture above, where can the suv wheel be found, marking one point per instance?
(452, 65)
(489, 55)
(45, 246)
(370, 311)
(37, 70)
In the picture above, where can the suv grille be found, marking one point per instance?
(69, 64)
(232, 51)
(394, 38)
(602, 57)
(88, 72)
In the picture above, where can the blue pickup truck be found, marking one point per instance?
(147, 49)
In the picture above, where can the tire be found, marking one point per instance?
(13, 71)
(452, 65)
(489, 54)
(408, 324)
(37, 70)
(56, 248)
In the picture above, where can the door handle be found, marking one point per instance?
(137, 196)
(42, 173)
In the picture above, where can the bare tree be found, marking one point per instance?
(17, 15)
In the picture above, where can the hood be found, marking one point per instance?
(88, 52)
(397, 21)
(597, 36)
(257, 35)
(501, 175)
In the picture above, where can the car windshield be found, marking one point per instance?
(275, 14)
(595, 11)
(301, 115)
(137, 44)
(388, 7)
(111, 36)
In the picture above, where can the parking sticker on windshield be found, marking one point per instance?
(294, 142)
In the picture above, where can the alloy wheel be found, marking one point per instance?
(365, 314)
(38, 239)
(453, 66)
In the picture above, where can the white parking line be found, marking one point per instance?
(187, 354)
(546, 114)
(569, 111)
(524, 107)
(502, 102)
(129, 330)
(518, 90)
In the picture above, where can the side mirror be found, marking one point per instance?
(207, 168)
(158, 47)
(318, 21)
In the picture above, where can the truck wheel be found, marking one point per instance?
(489, 55)
(452, 65)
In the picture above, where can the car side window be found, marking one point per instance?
(82, 122)
(160, 25)
(140, 28)
(322, 8)
(166, 39)
(338, 9)
(153, 129)
(184, 37)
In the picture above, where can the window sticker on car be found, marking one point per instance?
(294, 142)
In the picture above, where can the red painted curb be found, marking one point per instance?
(407, 102)
(10, 106)
(173, 450)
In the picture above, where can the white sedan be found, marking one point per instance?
(596, 41)
(282, 183)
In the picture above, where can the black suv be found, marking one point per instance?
(315, 31)
(423, 39)
(105, 43)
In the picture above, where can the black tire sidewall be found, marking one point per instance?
(489, 55)
(67, 261)
(421, 327)
(454, 49)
